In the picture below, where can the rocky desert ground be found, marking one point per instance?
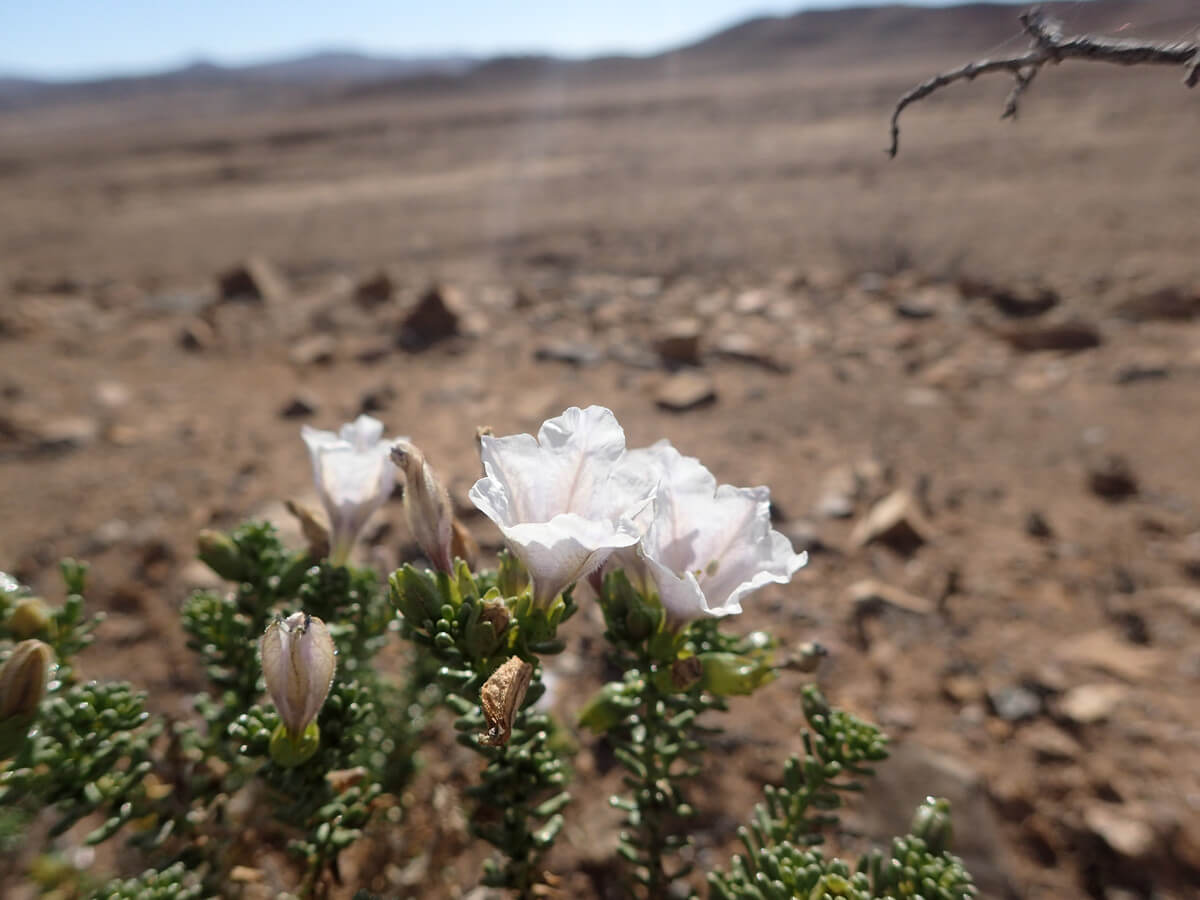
(970, 376)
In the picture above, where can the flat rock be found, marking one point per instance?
(838, 494)
(195, 336)
(1050, 743)
(1070, 336)
(870, 595)
(1124, 834)
(1171, 304)
(685, 391)
(1014, 301)
(316, 350)
(895, 521)
(67, 433)
(434, 317)
(678, 344)
(745, 349)
(1087, 704)
(255, 280)
(1103, 650)
(574, 353)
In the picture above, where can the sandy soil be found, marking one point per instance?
(1040, 665)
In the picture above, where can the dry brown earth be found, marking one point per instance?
(1004, 323)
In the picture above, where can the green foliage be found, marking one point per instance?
(89, 754)
(172, 883)
(470, 628)
(781, 860)
(653, 719)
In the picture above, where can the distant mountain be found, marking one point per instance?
(850, 35)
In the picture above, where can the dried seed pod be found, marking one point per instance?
(501, 698)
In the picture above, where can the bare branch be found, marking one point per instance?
(1048, 45)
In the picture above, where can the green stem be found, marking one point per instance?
(651, 825)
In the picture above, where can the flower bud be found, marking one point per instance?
(298, 660)
(23, 679)
(727, 674)
(29, 619)
(22, 687)
(218, 551)
(316, 535)
(932, 824)
(501, 698)
(426, 505)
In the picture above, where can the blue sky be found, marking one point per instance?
(78, 38)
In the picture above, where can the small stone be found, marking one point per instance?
(1088, 704)
(686, 391)
(1171, 304)
(1103, 650)
(1112, 478)
(1128, 837)
(319, 349)
(743, 348)
(869, 595)
(1024, 301)
(1014, 703)
(256, 280)
(68, 433)
(575, 353)
(195, 336)
(839, 493)
(895, 521)
(1050, 743)
(1070, 336)
(377, 399)
(300, 406)
(753, 302)
(435, 317)
(964, 688)
(1036, 526)
(679, 343)
(111, 395)
(374, 291)
(1142, 370)
(371, 350)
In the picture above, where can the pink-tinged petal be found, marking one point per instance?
(563, 500)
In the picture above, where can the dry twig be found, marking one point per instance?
(1048, 45)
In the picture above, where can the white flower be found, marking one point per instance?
(563, 500)
(354, 476)
(705, 547)
(297, 663)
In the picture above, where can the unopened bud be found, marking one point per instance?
(607, 707)
(932, 824)
(298, 661)
(727, 674)
(316, 535)
(501, 698)
(23, 679)
(29, 619)
(426, 505)
(218, 551)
